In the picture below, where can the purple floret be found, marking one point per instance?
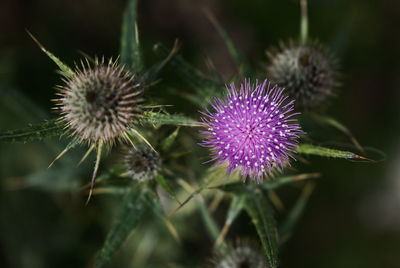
(252, 128)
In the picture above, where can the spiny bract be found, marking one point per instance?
(252, 128)
(99, 102)
(142, 163)
(307, 73)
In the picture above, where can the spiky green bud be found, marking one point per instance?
(142, 163)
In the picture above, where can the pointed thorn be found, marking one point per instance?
(356, 143)
(364, 158)
(86, 56)
(135, 132)
(222, 235)
(86, 154)
(96, 168)
(34, 39)
(137, 33)
(59, 156)
(90, 195)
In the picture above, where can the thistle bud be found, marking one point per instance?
(307, 72)
(142, 163)
(99, 102)
(243, 255)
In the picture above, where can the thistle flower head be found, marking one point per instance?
(142, 163)
(99, 102)
(252, 129)
(306, 71)
(242, 256)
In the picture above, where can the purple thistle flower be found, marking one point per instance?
(252, 128)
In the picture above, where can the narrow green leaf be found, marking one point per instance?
(131, 211)
(214, 72)
(167, 119)
(32, 133)
(165, 185)
(151, 74)
(159, 211)
(237, 205)
(326, 152)
(261, 213)
(168, 141)
(234, 52)
(131, 55)
(112, 174)
(212, 174)
(204, 86)
(339, 126)
(296, 212)
(112, 190)
(282, 181)
(66, 71)
(240, 187)
(208, 220)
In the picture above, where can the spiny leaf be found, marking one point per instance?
(167, 119)
(168, 141)
(204, 86)
(131, 211)
(326, 152)
(131, 55)
(260, 211)
(66, 71)
(32, 133)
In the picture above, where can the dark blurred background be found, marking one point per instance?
(353, 218)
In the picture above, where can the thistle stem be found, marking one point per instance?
(303, 22)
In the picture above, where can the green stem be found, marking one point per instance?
(303, 22)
